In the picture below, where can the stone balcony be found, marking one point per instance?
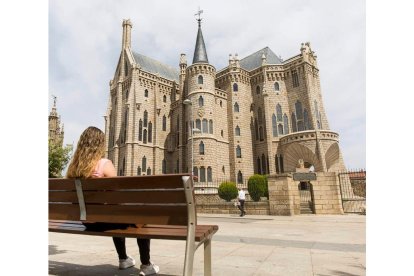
(309, 135)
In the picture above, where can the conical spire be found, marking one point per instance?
(200, 53)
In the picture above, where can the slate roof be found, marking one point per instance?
(200, 52)
(255, 60)
(154, 66)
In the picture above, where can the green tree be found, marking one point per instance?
(227, 190)
(58, 159)
(256, 186)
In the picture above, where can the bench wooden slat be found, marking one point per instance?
(175, 233)
(115, 197)
(169, 214)
(169, 181)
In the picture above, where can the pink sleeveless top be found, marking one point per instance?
(98, 171)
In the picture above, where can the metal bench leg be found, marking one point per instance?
(189, 258)
(207, 257)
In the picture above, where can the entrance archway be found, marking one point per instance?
(306, 197)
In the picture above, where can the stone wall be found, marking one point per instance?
(284, 197)
(327, 194)
(212, 204)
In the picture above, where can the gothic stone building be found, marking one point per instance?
(260, 114)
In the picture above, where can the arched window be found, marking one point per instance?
(146, 93)
(277, 86)
(274, 125)
(139, 170)
(259, 115)
(294, 127)
(306, 120)
(261, 133)
(236, 107)
(301, 126)
(259, 166)
(202, 174)
(286, 124)
(200, 101)
(221, 104)
(237, 131)
(280, 129)
(198, 124)
(205, 126)
(263, 164)
(201, 148)
(145, 118)
(149, 171)
(144, 163)
(145, 136)
(235, 87)
(123, 166)
(279, 112)
(277, 163)
(222, 133)
(239, 178)
(209, 174)
(238, 152)
(256, 129)
(126, 94)
(200, 79)
(150, 132)
(164, 99)
(164, 166)
(126, 118)
(140, 130)
(164, 123)
(257, 89)
(295, 78)
(195, 172)
(210, 126)
(299, 110)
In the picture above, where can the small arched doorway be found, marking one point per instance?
(306, 197)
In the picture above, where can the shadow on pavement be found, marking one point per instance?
(68, 269)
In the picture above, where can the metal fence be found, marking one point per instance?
(353, 190)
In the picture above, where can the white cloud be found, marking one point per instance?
(85, 41)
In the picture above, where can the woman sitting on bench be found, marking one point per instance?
(88, 162)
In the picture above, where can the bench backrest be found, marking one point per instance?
(158, 199)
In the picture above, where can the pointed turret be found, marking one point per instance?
(200, 53)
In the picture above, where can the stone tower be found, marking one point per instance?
(56, 132)
(207, 114)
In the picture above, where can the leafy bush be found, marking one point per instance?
(227, 191)
(266, 192)
(256, 186)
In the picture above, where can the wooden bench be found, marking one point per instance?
(165, 204)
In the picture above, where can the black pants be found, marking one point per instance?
(119, 242)
(241, 206)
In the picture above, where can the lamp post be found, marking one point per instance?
(193, 130)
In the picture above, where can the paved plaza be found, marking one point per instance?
(252, 245)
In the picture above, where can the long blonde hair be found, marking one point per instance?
(90, 149)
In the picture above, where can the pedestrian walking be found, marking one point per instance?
(241, 197)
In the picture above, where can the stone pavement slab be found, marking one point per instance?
(252, 245)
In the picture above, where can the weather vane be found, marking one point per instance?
(199, 15)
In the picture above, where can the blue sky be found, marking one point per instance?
(85, 42)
